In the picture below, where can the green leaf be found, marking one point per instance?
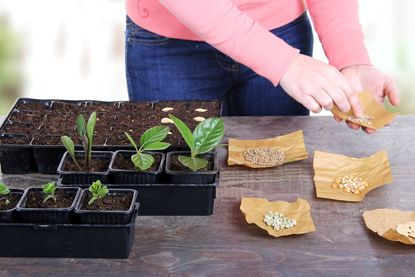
(142, 161)
(194, 163)
(81, 125)
(98, 191)
(70, 147)
(184, 130)
(156, 146)
(208, 135)
(4, 190)
(132, 142)
(90, 127)
(49, 191)
(154, 134)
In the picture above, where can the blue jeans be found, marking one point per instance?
(161, 68)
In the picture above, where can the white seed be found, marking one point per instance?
(169, 133)
(166, 120)
(167, 109)
(200, 110)
(199, 118)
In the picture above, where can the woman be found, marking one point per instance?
(255, 55)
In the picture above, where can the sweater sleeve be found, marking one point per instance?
(339, 30)
(221, 24)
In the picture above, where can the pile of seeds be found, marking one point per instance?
(364, 119)
(350, 183)
(407, 229)
(278, 221)
(265, 156)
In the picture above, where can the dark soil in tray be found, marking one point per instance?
(33, 106)
(53, 140)
(65, 107)
(13, 198)
(18, 128)
(97, 165)
(27, 116)
(111, 202)
(100, 107)
(175, 165)
(123, 161)
(20, 140)
(63, 199)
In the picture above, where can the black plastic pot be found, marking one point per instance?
(189, 177)
(102, 216)
(124, 176)
(48, 158)
(15, 159)
(68, 240)
(47, 215)
(73, 177)
(9, 215)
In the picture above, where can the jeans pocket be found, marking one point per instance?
(139, 35)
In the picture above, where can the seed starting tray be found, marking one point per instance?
(170, 199)
(39, 149)
(68, 240)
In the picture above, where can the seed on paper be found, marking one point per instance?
(265, 156)
(167, 109)
(407, 229)
(199, 118)
(277, 221)
(350, 183)
(364, 119)
(200, 110)
(166, 120)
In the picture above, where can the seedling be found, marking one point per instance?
(206, 136)
(49, 192)
(86, 133)
(4, 193)
(98, 191)
(151, 140)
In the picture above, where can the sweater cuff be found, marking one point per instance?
(267, 55)
(345, 49)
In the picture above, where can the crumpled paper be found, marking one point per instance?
(254, 210)
(384, 221)
(327, 167)
(370, 107)
(292, 144)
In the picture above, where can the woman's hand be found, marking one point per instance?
(368, 78)
(317, 85)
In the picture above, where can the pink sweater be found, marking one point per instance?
(240, 28)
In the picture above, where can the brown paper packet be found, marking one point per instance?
(292, 144)
(384, 221)
(370, 107)
(327, 167)
(254, 210)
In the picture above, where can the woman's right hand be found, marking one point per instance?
(317, 85)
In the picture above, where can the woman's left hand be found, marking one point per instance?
(368, 78)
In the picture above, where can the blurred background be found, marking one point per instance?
(74, 49)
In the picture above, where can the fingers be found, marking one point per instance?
(369, 131)
(339, 98)
(324, 99)
(392, 91)
(351, 95)
(310, 103)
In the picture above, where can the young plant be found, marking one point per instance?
(4, 193)
(151, 140)
(98, 191)
(49, 192)
(205, 137)
(86, 133)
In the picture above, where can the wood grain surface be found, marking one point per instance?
(225, 245)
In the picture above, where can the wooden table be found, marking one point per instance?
(225, 245)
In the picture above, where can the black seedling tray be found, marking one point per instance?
(171, 199)
(68, 240)
(31, 157)
(47, 215)
(7, 216)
